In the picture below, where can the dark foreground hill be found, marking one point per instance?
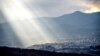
(5, 51)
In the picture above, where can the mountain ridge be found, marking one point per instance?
(7, 51)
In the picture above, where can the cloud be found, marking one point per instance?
(60, 7)
(96, 3)
(56, 7)
(91, 6)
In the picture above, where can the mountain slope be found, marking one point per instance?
(5, 51)
(79, 30)
(77, 26)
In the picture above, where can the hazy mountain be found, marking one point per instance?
(7, 34)
(74, 26)
(83, 30)
(79, 22)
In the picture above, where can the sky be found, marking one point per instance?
(21, 15)
(59, 7)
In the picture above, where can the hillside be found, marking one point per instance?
(5, 51)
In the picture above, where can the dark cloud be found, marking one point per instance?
(96, 3)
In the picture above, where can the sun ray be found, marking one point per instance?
(24, 23)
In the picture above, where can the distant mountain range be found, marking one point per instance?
(83, 31)
(73, 27)
(76, 33)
